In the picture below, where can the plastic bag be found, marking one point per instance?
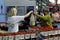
(32, 20)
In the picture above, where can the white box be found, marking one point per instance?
(27, 36)
(11, 38)
(21, 36)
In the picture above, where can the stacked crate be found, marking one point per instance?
(53, 34)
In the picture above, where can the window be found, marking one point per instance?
(31, 0)
(21, 10)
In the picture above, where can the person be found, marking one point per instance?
(55, 17)
(27, 19)
(39, 35)
(13, 20)
(23, 25)
(46, 21)
(38, 20)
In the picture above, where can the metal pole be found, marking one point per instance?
(1, 9)
(41, 4)
(56, 3)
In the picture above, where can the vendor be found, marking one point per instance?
(55, 17)
(13, 20)
(46, 21)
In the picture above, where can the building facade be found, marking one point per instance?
(40, 4)
(21, 5)
(2, 15)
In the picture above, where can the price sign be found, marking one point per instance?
(27, 36)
